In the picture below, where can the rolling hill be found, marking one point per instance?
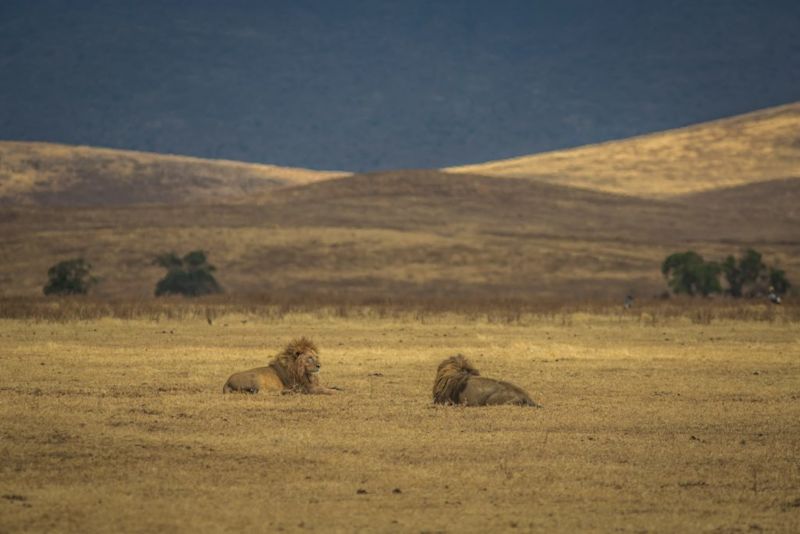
(406, 235)
(755, 147)
(410, 234)
(52, 174)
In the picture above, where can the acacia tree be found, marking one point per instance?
(69, 277)
(687, 272)
(189, 275)
(746, 272)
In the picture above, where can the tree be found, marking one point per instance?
(190, 275)
(687, 272)
(778, 281)
(69, 277)
(747, 271)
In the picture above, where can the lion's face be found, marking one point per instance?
(301, 359)
(309, 363)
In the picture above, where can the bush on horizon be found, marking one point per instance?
(190, 275)
(69, 277)
(687, 272)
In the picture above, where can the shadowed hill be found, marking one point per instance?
(440, 202)
(51, 174)
(756, 147)
(781, 198)
(408, 234)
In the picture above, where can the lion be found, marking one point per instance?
(295, 369)
(458, 382)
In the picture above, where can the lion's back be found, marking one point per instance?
(253, 381)
(480, 391)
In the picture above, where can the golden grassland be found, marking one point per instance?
(755, 147)
(348, 264)
(343, 261)
(662, 418)
(52, 173)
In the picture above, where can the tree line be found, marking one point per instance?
(190, 275)
(748, 276)
(686, 273)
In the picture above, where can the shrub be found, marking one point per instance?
(190, 275)
(746, 272)
(69, 277)
(687, 272)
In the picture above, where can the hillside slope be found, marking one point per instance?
(415, 235)
(53, 174)
(755, 147)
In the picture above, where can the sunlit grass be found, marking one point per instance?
(652, 421)
(30, 171)
(749, 148)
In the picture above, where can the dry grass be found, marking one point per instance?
(755, 147)
(49, 173)
(519, 311)
(651, 422)
(406, 233)
(416, 233)
(341, 261)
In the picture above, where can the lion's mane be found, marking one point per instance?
(290, 369)
(451, 379)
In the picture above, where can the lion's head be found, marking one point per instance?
(451, 378)
(298, 364)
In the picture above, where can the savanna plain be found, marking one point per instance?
(652, 421)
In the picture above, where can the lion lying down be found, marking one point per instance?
(293, 370)
(457, 382)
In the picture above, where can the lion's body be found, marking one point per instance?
(458, 382)
(255, 380)
(293, 370)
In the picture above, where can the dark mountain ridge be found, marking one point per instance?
(358, 85)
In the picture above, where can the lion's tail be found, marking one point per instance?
(530, 402)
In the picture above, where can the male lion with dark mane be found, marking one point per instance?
(293, 370)
(458, 382)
